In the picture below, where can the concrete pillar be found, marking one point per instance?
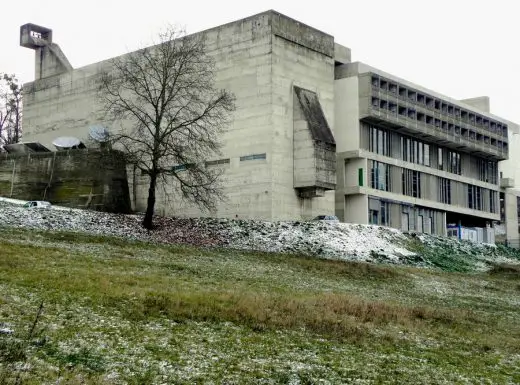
(511, 209)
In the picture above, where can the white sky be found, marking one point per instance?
(460, 48)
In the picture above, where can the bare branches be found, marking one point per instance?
(10, 109)
(171, 114)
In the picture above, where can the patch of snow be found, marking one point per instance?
(343, 241)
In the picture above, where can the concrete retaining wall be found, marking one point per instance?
(78, 178)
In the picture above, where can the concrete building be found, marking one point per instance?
(279, 153)
(313, 133)
(411, 158)
(509, 172)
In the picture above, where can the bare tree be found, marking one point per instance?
(171, 114)
(10, 109)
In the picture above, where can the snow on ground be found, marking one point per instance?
(336, 241)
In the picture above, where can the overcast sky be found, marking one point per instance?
(460, 48)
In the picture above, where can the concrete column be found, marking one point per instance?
(356, 209)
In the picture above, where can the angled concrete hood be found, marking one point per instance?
(314, 147)
(49, 58)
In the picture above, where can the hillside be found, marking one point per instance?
(129, 312)
(342, 241)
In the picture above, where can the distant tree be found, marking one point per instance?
(10, 109)
(172, 116)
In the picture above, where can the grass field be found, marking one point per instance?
(117, 312)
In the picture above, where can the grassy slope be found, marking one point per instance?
(127, 312)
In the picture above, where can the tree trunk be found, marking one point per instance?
(148, 218)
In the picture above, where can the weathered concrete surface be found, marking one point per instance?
(314, 146)
(77, 178)
(260, 59)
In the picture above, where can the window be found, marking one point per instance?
(487, 171)
(385, 214)
(415, 151)
(379, 176)
(445, 191)
(478, 198)
(426, 155)
(493, 202)
(475, 197)
(411, 183)
(454, 163)
(253, 157)
(217, 162)
(379, 141)
(373, 216)
(182, 167)
(440, 156)
(416, 184)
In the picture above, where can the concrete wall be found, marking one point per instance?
(511, 214)
(77, 178)
(259, 59)
(295, 65)
(511, 168)
(351, 174)
(481, 103)
(346, 110)
(356, 208)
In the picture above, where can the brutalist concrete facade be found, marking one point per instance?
(413, 159)
(313, 133)
(279, 152)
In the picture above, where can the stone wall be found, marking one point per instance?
(78, 178)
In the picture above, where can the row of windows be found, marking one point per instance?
(412, 150)
(219, 162)
(253, 157)
(438, 105)
(475, 197)
(389, 143)
(443, 125)
(385, 213)
(415, 184)
(487, 171)
(415, 151)
(379, 141)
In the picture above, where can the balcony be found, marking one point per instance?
(441, 109)
(507, 183)
(427, 130)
